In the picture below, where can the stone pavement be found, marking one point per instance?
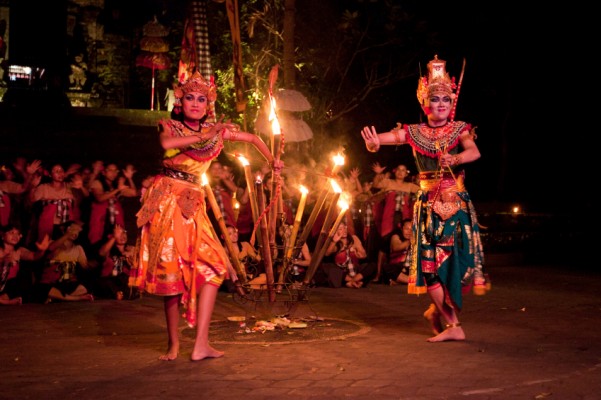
(534, 336)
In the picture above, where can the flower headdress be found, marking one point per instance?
(196, 83)
(437, 81)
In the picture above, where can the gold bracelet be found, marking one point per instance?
(457, 159)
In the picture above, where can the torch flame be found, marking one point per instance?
(338, 159)
(275, 124)
(343, 204)
(335, 186)
(243, 160)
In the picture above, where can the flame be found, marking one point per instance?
(303, 189)
(343, 204)
(338, 159)
(335, 186)
(204, 180)
(243, 160)
(275, 124)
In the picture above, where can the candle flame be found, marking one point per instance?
(236, 205)
(338, 159)
(303, 189)
(335, 186)
(204, 180)
(243, 160)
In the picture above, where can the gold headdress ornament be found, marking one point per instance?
(437, 81)
(196, 83)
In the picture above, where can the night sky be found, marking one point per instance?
(524, 70)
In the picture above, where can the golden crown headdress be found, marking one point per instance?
(437, 81)
(196, 83)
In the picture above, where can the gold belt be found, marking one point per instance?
(181, 175)
(441, 181)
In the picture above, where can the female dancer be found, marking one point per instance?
(177, 256)
(446, 251)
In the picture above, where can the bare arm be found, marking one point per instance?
(396, 244)
(373, 140)
(359, 249)
(469, 154)
(249, 138)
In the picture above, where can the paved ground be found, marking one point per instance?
(534, 336)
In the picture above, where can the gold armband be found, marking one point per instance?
(396, 131)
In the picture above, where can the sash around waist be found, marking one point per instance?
(437, 180)
(181, 175)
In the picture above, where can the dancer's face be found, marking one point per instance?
(440, 105)
(194, 105)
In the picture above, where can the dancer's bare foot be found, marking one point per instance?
(170, 355)
(453, 332)
(207, 352)
(433, 317)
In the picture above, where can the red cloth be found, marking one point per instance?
(387, 220)
(5, 211)
(46, 221)
(98, 217)
(245, 223)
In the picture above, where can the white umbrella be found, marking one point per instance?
(291, 100)
(293, 129)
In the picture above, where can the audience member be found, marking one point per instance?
(107, 210)
(11, 190)
(55, 204)
(395, 270)
(349, 256)
(11, 254)
(117, 256)
(65, 262)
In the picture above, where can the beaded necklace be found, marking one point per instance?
(204, 150)
(431, 141)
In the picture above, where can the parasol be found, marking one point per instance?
(291, 100)
(153, 60)
(293, 128)
(154, 49)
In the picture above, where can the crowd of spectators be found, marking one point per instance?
(65, 228)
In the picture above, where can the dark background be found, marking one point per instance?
(526, 66)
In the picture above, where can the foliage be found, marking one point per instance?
(346, 52)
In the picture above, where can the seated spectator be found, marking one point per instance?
(349, 267)
(224, 187)
(117, 258)
(56, 204)
(300, 264)
(11, 189)
(11, 255)
(246, 254)
(66, 261)
(106, 209)
(394, 270)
